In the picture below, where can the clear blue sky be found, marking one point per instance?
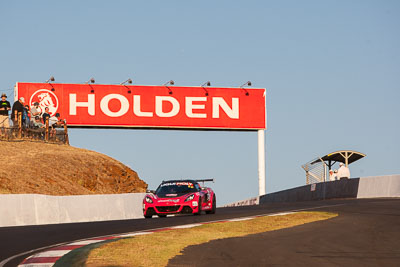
(331, 69)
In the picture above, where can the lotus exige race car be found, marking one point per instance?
(179, 197)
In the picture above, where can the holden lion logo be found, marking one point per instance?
(45, 98)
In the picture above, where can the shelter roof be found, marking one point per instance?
(340, 156)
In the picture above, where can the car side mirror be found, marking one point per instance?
(150, 191)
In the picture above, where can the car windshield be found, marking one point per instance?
(172, 189)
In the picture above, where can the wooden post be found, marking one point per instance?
(47, 129)
(15, 124)
(66, 140)
(19, 124)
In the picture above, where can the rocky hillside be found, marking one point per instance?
(51, 169)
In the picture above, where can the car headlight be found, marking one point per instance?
(189, 198)
(148, 199)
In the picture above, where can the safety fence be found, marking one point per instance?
(24, 131)
(315, 171)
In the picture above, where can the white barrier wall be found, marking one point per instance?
(367, 187)
(34, 209)
(246, 202)
(379, 186)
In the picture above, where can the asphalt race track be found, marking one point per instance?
(367, 232)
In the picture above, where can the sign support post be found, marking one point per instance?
(261, 162)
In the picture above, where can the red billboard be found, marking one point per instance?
(140, 106)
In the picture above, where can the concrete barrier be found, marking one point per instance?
(319, 191)
(364, 187)
(246, 202)
(379, 186)
(34, 209)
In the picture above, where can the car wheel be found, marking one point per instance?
(214, 206)
(161, 215)
(148, 216)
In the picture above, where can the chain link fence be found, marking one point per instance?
(315, 171)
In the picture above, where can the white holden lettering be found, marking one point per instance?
(159, 106)
(123, 109)
(195, 107)
(136, 108)
(219, 102)
(189, 107)
(89, 104)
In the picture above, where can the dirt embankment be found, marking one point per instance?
(40, 168)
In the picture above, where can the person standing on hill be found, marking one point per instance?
(4, 108)
(18, 106)
(46, 115)
(343, 172)
(25, 116)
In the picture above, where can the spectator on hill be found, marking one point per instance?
(56, 121)
(46, 115)
(343, 172)
(5, 106)
(18, 106)
(37, 123)
(35, 110)
(25, 116)
(39, 126)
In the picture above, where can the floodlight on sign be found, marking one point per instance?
(207, 83)
(127, 81)
(170, 82)
(51, 79)
(91, 80)
(248, 83)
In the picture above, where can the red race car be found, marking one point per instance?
(179, 197)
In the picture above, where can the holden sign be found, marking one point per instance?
(89, 105)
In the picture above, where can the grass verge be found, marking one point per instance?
(157, 248)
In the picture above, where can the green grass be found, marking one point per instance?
(158, 248)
